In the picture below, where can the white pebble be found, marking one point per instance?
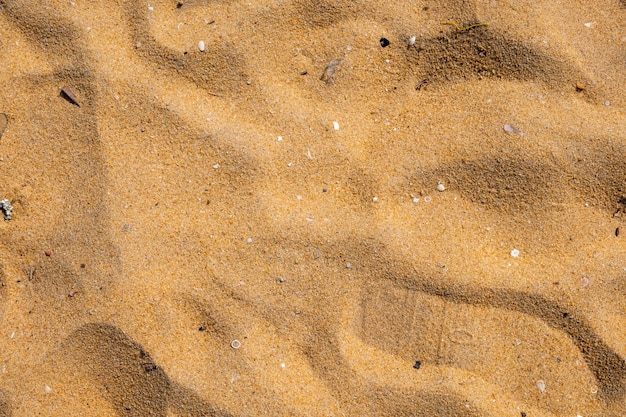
(282, 365)
(280, 138)
(541, 386)
(216, 166)
(589, 24)
(201, 46)
(348, 265)
(607, 103)
(515, 253)
(151, 8)
(375, 199)
(336, 125)
(249, 240)
(235, 344)
(48, 389)
(416, 200)
(509, 128)
(299, 197)
(412, 40)
(441, 187)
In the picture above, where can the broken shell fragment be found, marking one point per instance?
(329, 71)
(69, 96)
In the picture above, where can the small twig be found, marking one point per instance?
(421, 84)
(30, 275)
(463, 28)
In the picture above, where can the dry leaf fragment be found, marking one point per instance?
(4, 122)
(69, 95)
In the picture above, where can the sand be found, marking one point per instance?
(430, 228)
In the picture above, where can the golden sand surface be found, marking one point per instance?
(298, 221)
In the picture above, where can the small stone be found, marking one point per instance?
(201, 46)
(418, 365)
(515, 253)
(607, 103)
(441, 187)
(48, 389)
(235, 344)
(48, 253)
(336, 125)
(7, 208)
(375, 199)
(348, 265)
(384, 42)
(428, 199)
(416, 200)
(249, 240)
(280, 138)
(412, 40)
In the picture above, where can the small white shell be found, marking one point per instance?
(336, 125)
(441, 187)
(235, 344)
(541, 386)
(412, 40)
(201, 46)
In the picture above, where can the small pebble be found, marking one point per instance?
(428, 199)
(416, 200)
(235, 344)
(348, 265)
(336, 125)
(375, 199)
(412, 40)
(515, 253)
(541, 386)
(7, 208)
(584, 282)
(216, 166)
(607, 103)
(441, 187)
(151, 8)
(48, 389)
(418, 365)
(384, 42)
(48, 253)
(249, 240)
(280, 138)
(201, 46)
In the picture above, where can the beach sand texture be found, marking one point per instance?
(313, 208)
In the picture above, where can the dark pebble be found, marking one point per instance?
(417, 365)
(384, 42)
